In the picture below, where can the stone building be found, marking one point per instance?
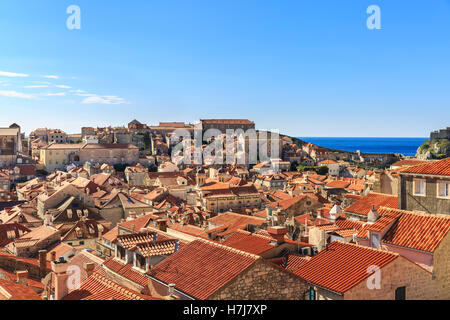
(440, 134)
(345, 271)
(48, 135)
(197, 272)
(10, 144)
(58, 156)
(425, 187)
(136, 174)
(224, 124)
(419, 237)
(223, 198)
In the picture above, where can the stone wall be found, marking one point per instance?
(263, 281)
(13, 264)
(400, 272)
(441, 270)
(440, 134)
(429, 203)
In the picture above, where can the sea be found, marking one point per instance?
(405, 146)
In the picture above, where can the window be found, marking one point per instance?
(443, 187)
(375, 239)
(121, 253)
(419, 187)
(311, 294)
(140, 261)
(400, 293)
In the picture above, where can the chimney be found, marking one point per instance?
(373, 215)
(42, 262)
(53, 256)
(59, 269)
(171, 289)
(89, 268)
(277, 233)
(22, 277)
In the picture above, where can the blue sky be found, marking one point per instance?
(307, 68)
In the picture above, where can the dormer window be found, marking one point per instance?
(140, 261)
(419, 187)
(375, 240)
(121, 253)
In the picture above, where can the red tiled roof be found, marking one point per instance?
(337, 184)
(327, 162)
(126, 271)
(286, 204)
(416, 230)
(97, 287)
(112, 234)
(15, 291)
(157, 248)
(349, 224)
(343, 265)
(364, 205)
(440, 168)
(249, 242)
(346, 232)
(293, 262)
(138, 223)
(189, 229)
(234, 221)
(408, 162)
(202, 267)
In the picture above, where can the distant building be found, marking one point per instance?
(58, 156)
(333, 167)
(10, 144)
(224, 124)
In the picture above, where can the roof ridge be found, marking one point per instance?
(383, 194)
(366, 247)
(417, 213)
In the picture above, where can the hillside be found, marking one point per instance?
(434, 149)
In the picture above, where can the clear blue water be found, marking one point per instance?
(405, 146)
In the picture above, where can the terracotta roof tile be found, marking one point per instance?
(249, 242)
(97, 287)
(416, 230)
(10, 290)
(337, 184)
(202, 267)
(440, 168)
(364, 205)
(126, 271)
(343, 265)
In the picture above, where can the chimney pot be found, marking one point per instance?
(22, 277)
(171, 288)
(278, 233)
(89, 268)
